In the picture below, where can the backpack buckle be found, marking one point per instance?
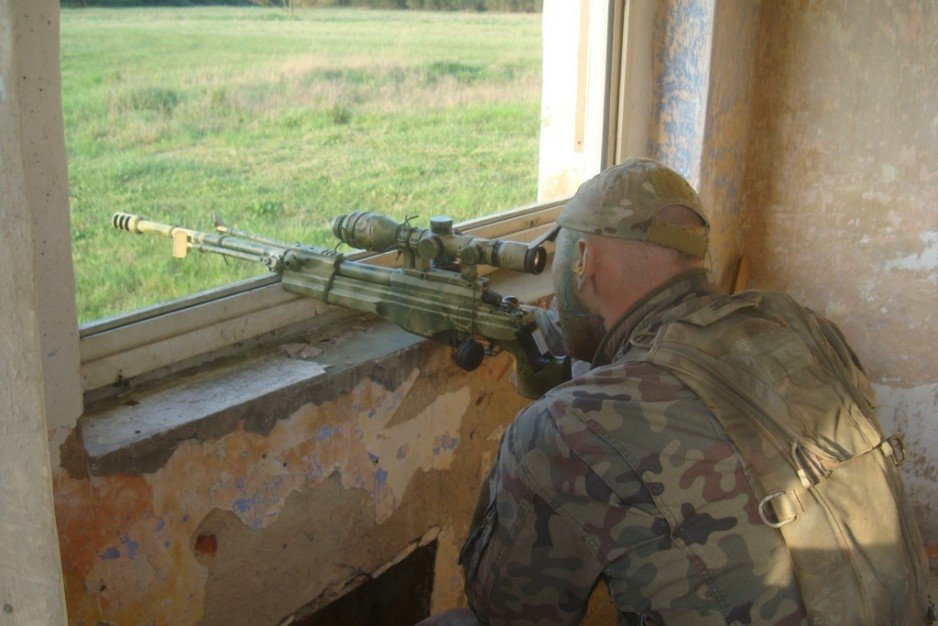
(894, 447)
(809, 471)
(776, 497)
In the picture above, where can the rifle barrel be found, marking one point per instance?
(220, 243)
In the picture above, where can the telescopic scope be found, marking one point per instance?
(440, 243)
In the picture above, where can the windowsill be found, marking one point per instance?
(140, 434)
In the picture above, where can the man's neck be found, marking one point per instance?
(640, 290)
(660, 296)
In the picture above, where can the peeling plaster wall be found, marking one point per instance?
(681, 68)
(830, 187)
(841, 195)
(249, 527)
(726, 131)
(702, 64)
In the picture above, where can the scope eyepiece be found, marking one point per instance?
(535, 260)
(519, 257)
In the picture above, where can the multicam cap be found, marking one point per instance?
(623, 200)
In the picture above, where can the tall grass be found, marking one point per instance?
(278, 124)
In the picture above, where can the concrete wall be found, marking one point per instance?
(681, 42)
(726, 131)
(38, 327)
(702, 63)
(841, 195)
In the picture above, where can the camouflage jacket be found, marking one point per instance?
(623, 474)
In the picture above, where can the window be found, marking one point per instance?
(321, 159)
(279, 121)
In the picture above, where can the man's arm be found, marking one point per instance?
(526, 562)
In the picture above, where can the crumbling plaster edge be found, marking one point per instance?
(106, 441)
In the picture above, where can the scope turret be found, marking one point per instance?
(439, 243)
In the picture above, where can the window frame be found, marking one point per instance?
(120, 352)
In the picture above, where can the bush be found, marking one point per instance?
(156, 99)
(340, 114)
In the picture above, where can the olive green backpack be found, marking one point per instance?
(794, 400)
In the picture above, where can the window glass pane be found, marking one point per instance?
(278, 122)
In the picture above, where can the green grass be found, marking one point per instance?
(278, 124)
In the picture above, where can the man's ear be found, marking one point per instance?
(586, 264)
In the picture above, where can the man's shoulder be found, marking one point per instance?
(619, 386)
(722, 310)
(605, 406)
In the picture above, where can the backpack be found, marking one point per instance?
(795, 402)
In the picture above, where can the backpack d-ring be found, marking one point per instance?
(765, 518)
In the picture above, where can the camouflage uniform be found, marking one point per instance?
(624, 474)
(720, 463)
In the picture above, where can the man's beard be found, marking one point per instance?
(582, 330)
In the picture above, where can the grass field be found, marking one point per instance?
(278, 124)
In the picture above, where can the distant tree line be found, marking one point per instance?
(152, 3)
(516, 6)
(527, 6)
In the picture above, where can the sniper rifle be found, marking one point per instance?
(437, 293)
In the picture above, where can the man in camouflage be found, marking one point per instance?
(696, 497)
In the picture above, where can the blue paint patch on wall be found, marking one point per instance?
(681, 64)
(131, 546)
(242, 505)
(160, 525)
(316, 469)
(110, 553)
(324, 433)
(381, 478)
(443, 443)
